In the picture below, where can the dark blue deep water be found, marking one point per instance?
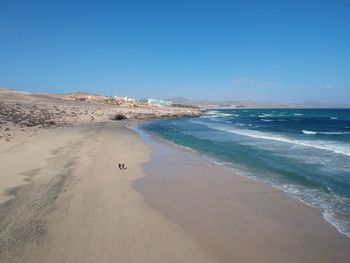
(304, 152)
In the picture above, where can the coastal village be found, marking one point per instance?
(123, 101)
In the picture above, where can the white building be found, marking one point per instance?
(159, 103)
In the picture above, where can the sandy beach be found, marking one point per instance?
(64, 199)
(67, 201)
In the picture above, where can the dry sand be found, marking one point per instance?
(75, 205)
(233, 217)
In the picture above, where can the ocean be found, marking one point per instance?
(303, 152)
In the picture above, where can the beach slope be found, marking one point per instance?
(69, 202)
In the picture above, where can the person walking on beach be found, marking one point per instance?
(122, 166)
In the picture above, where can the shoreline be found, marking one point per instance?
(77, 206)
(228, 166)
(164, 189)
(326, 214)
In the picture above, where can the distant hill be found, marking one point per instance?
(254, 104)
(185, 101)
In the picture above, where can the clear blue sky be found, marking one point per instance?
(288, 51)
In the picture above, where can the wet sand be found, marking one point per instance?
(234, 218)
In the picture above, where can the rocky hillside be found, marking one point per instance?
(23, 113)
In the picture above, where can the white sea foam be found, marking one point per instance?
(340, 225)
(298, 114)
(217, 114)
(211, 112)
(326, 201)
(322, 132)
(335, 147)
(309, 132)
(265, 115)
(334, 133)
(334, 118)
(221, 114)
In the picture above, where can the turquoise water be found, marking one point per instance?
(304, 152)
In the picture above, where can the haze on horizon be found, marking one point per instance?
(283, 51)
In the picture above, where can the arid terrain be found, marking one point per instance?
(24, 113)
